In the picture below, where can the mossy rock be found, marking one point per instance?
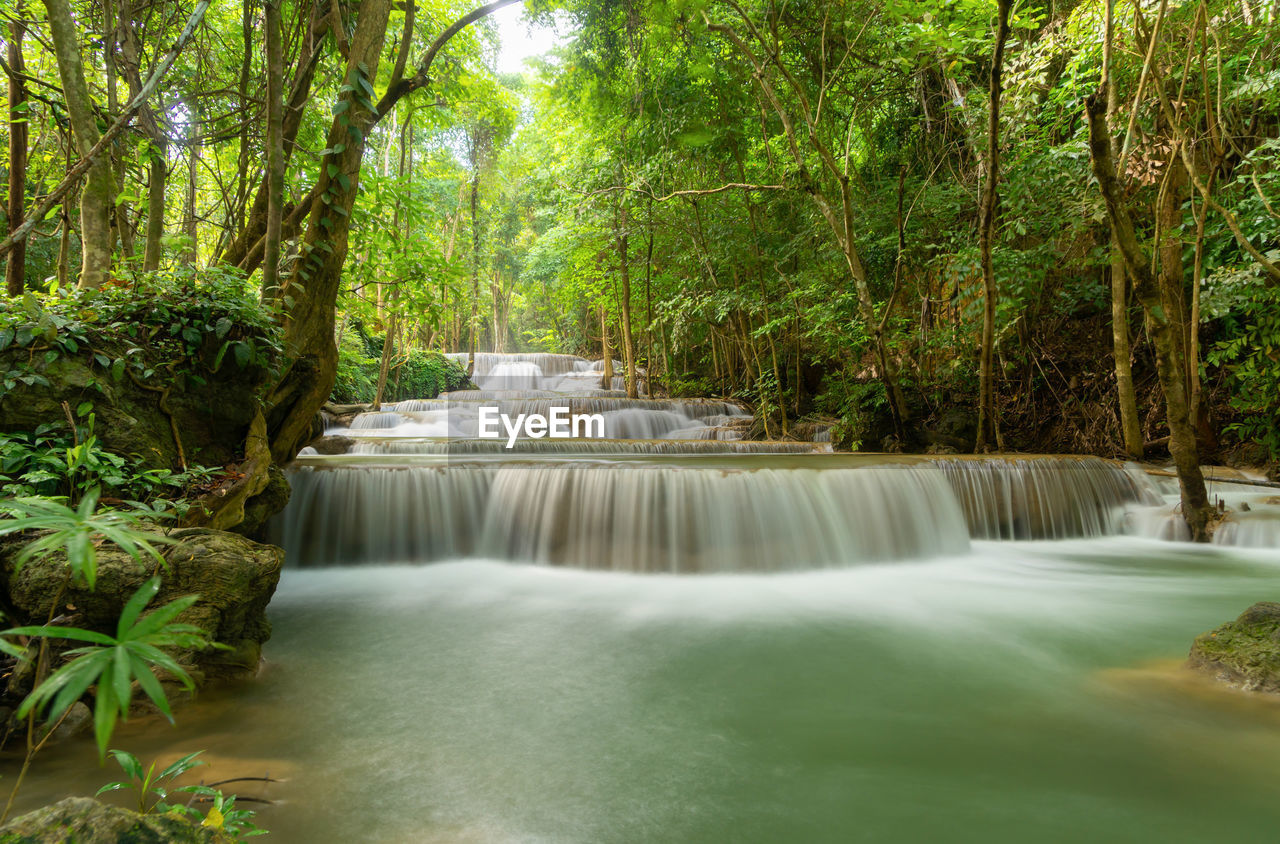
(1244, 653)
(234, 576)
(211, 419)
(79, 820)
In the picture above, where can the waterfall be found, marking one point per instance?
(624, 418)
(604, 447)
(640, 518)
(672, 488)
(539, 371)
(680, 517)
(1252, 519)
(1250, 530)
(1030, 498)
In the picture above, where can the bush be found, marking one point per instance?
(1249, 351)
(417, 375)
(186, 323)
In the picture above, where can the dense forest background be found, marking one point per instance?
(788, 202)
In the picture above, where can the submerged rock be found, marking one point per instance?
(234, 576)
(79, 820)
(1244, 653)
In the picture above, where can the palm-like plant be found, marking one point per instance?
(112, 664)
(77, 531)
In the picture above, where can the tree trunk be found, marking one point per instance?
(1122, 349)
(242, 97)
(606, 353)
(120, 211)
(16, 269)
(388, 350)
(158, 174)
(475, 266)
(628, 348)
(1130, 424)
(97, 197)
(275, 152)
(986, 373)
(317, 274)
(1146, 286)
(190, 226)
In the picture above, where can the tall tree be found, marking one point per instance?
(16, 268)
(275, 150)
(1148, 287)
(987, 427)
(97, 197)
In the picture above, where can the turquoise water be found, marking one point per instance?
(999, 696)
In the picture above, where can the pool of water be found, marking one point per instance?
(1022, 692)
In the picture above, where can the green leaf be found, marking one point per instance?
(159, 618)
(137, 602)
(150, 685)
(180, 767)
(221, 328)
(106, 711)
(129, 763)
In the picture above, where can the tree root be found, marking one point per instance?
(223, 508)
(164, 406)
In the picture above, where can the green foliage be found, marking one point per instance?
(1249, 351)
(155, 788)
(77, 531)
(149, 783)
(222, 814)
(186, 323)
(416, 375)
(47, 462)
(357, 378)
(855, 402)
(112, 664)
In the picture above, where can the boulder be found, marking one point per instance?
(79, 820)
(133, 420)
(234, 576)
(1244, 653)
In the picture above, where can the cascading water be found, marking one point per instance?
(1022, 498)
(672, 511)
(670, 514)
(872, 633)
(644, 517)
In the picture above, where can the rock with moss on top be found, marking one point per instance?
(1244, 653)
(234, 577)
(84, 821)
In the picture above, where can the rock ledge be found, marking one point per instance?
(1244, 653)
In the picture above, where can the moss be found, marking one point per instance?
(1244, 652)
(85, 821)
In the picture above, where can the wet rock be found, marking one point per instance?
(78, 720)
(332, 445)
(234, 576)
(84, 821)
(1244, 653)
